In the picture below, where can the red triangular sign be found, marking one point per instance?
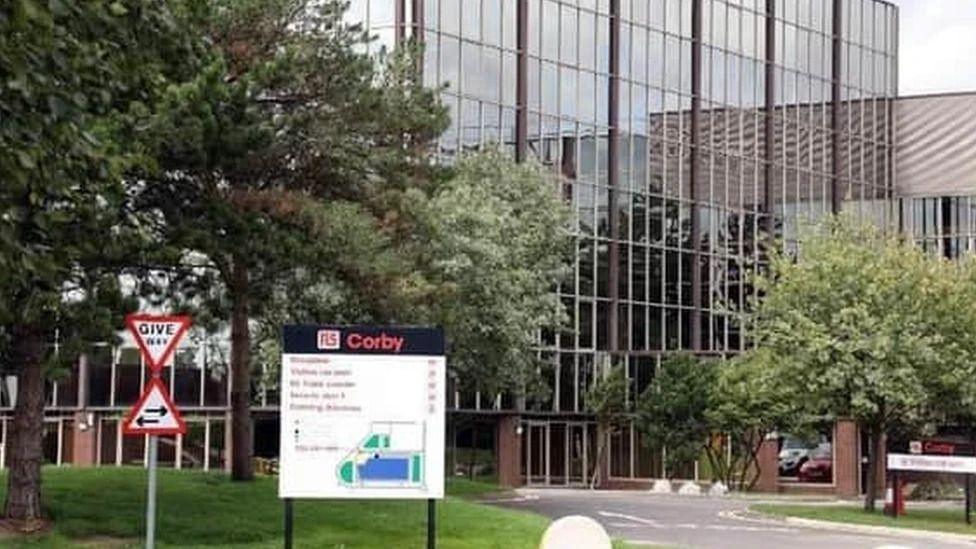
(154, 413)
(157, 336)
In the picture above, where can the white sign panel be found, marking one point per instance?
(933, 464)
(157, 336)
(154, 413)
(362, 413)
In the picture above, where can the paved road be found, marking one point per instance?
(700, 522)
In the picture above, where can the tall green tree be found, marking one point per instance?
(493, 241)
(607, 399)
(673, 411)
(286, 138)
(750, 402)
(73, 73)
(869, 327)
(479, 255)
(720, 409)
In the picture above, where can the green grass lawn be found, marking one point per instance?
(941, 520)
(477, 488)
(104, 507)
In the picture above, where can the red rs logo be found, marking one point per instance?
(328, 339)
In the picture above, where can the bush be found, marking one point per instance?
(929, 490)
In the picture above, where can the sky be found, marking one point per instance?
(938, 46)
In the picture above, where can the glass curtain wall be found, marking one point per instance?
(471, 48)
(869, 86)
(944, 226)
(802, 182)
(616, 106)
(568, 59)
(732, 177)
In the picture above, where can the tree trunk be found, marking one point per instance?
(473, 451)
(752, 464)
(25, 450)
(601, 469)
(751, 470)
(714, 462)
(875, 450)
(451, 428)
(242, 438)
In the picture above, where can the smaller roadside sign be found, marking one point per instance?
(932, 464)
(157, 336)
(154, 413)
(940, 447)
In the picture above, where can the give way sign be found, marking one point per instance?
(157, 336)
(154, 414)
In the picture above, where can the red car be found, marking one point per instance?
(819, 468)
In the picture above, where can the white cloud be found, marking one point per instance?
(937, 46)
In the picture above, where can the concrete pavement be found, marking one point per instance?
(703, 522)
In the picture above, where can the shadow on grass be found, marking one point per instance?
(950, 520)
(208, 510)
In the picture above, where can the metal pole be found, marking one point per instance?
(836, 102)
(889, 485)
(969, 498)
(895, 495)
(289, 522)
(151, 493)
(431, 523)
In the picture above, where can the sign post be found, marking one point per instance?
(431, 523)
(151, 492)
(960, 465)
(362, 416)
(289, 523)
(969, 498)
(154, 414)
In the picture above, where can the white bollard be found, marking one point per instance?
(662, 486)
(575, 532)
(718, 489)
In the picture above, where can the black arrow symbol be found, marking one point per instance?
(161, 411)
(141, 420)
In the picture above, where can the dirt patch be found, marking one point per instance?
(106, 542)
(33, 527)
(17, 530)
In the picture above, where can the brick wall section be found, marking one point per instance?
(84, 442)
(847, 456)
(768, 459)
(508, 451)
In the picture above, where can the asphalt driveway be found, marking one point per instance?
(701, 522)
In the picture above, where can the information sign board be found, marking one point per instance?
(362, 412)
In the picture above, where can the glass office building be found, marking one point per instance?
(937, 171)
(684, 133)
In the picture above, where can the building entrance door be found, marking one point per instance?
(536, 453)
(556, 453)
(578, 455)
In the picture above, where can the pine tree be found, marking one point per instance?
(73, 76)
(290, 153)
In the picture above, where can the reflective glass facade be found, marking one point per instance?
(685, 133)
(945, 226)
